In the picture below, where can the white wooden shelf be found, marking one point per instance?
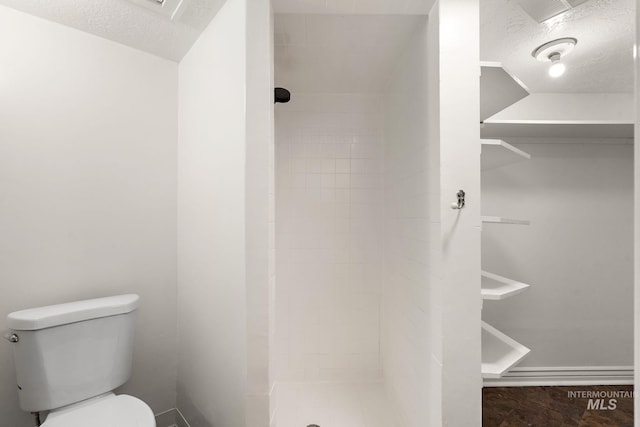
(499, 352)
(497, 153)
(496, 287)
(501, 220)
(498, 89)
(555, 129)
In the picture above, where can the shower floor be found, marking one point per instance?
(334, 405)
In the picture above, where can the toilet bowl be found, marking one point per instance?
(70, 357)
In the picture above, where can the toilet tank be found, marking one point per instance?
(70, 352)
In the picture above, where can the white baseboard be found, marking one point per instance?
(563, 376)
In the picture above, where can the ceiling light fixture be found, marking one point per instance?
(553, 52)
(557, 68)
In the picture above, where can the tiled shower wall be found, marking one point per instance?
(410, 294)
(328, 237)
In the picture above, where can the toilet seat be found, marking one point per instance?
(103, 411)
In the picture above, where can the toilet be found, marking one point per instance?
(70, 357)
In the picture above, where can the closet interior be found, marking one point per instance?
(557, 182)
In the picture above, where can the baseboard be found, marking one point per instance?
(171, 418)
(564, 376)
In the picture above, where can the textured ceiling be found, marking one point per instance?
(338, 53)
(602, 61)
(127, 23)
(363, 7)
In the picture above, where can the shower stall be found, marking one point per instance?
(364, 232)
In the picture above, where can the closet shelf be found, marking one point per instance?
(498, 89)
(501, 220)
(499, 352)
(496, 287)
(497, 153)
(555, 129)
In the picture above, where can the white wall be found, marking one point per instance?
(88, 130)
(212, 346)
(568, 108)
(224, 150)
(636, 228)
(328, 238)
(412, 238)
(458, 110)
(576, 254)
(260, 199)
(431, 304)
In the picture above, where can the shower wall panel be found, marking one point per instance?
(328, 237)
(412, 225)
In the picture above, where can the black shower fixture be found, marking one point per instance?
(282, 95)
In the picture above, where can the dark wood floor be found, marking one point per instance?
(552, 407)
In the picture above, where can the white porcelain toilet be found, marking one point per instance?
(70, 357)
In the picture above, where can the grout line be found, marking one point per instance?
(182, 422)
(182, 417)
(159, 414)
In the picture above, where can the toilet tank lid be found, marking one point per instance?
(61, 314)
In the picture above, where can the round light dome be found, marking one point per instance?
(557, 69)
(553, 52)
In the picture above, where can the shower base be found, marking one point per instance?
(334, 405)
